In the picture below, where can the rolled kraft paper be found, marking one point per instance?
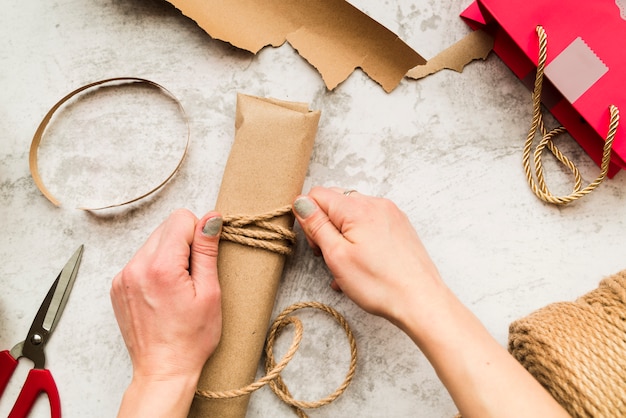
(265, 170)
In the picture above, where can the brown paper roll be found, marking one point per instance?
(265, 171)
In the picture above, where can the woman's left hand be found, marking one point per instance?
(168, 307)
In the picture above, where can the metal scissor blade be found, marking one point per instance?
(49, 313)
(62, 290)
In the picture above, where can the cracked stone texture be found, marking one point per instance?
(447, 149)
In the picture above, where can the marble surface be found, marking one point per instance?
(447, 149)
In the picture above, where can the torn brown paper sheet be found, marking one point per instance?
(332, 35)
(476, 45)
(265, 171)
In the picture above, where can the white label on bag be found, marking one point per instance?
(622, 8)
(575, 70)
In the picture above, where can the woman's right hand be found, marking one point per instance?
(371, 248)
(380, 263)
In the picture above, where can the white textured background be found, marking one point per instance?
(446, 149)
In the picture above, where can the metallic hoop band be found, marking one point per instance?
(34, 146)
(347, 192)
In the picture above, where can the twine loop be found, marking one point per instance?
(539, 186)
(257, 231)
(273, 369)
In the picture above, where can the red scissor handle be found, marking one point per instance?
(7, 367)
(37, 381)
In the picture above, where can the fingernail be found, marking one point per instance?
(212, 226)
(304, 207)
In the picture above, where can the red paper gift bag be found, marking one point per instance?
(585, 65)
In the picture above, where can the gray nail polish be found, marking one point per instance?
(304, 207)
(212, 226)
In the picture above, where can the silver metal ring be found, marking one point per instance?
(347, 192)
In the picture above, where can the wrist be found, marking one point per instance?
(158, 396)
(419, 309)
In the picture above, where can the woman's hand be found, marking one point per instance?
(379, 262)
(167, 304)
(370, 247)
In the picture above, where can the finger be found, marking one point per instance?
(316, 249)
(334, 204)
(167, 248)
(335, 286)
(313, 246)
(316, 224)
(204, 250)
(336, 189)
(343, 191)
(175, 238)
(150, 245)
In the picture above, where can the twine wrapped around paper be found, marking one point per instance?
(258, 231)
(577, 350)
(265, 170)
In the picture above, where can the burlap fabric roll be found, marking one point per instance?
(577, 350)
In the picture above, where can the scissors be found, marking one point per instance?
(40, 379)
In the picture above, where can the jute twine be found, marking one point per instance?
(538, 186)
(577, 350)
(259, 232)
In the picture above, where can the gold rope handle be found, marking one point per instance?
(539, 186)
(273, 370)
